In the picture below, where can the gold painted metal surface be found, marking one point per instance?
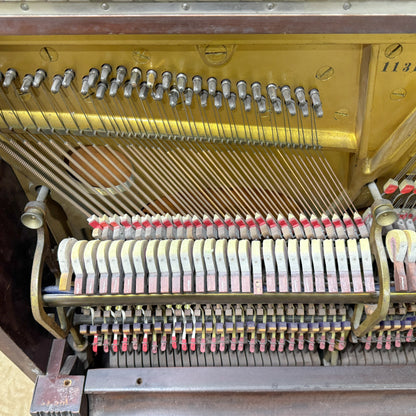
(358, 123)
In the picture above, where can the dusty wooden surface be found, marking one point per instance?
(16, 389)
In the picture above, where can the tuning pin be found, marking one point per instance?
(105, 72)
(212, 86)
(144, 91)
(135, 77)
(188, 96)
(121, 73)
(26, 83)
(316, 102)
(261, 104)
(85, 85)
(166, 80)
(197, 84)
(256, 90)
(9, 77)
(290, 104)
(181, 80)
(226, 88)
(93, 77)
(247, 103)
(101, 89)
(56, 84)
(69, 75)
(218, 100)
(128, 89)
(232, 101)
(40, 76)
(303, 104)
(272, 92)
(242, 89)
(159, 91)
(173, 97)
(114, 85)
(277, 106)
(151, 78)
(204, 98)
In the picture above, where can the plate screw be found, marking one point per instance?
(398, 94)
(141, 57)
(347, 6)
(325, 73)
(341, 114)
(270, 6)
(48, 54)
(186, 6)
(105, 6)
(393, 50)
(24, 7)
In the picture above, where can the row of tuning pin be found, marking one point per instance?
(99, 80)
(36, 80)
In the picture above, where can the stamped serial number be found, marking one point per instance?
(399, 67)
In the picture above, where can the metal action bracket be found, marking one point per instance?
(58, 393)
(378, 249)
(36, 301)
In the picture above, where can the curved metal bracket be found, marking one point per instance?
(36, 301)
(378, 249)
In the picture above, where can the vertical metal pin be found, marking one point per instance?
(85, 87)
(93, 77)
(101, 89)
(197, 84)
(128, 89)
(226, 88)
(181, 80)
(40, 76)
(9, 77)
(303, 105)
(247, 103)
(256, 90)
(121, 73)
(188, 96)
(151, 78)
(158, 93)
(173, 97)
(272, 92)
(204, 98)
(26, 83)
(69, 75)
(316, 102)
(242, 89)
(105, 72)
(166, 80)
(144, 91)
(135, 77)
(56, 84)
(232, 101)
(212, 86)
